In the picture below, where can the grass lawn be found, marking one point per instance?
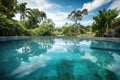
(87, 35)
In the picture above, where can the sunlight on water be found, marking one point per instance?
(59, 59)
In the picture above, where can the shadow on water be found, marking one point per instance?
(76, 70)
(82, 70)
(65, 70)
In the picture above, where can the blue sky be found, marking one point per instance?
(58, 10)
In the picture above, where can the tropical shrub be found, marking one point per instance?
(10, 27)
(102, 22)
(47, 28)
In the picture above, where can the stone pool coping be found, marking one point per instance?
(8, 38)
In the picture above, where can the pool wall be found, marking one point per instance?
(7, 38)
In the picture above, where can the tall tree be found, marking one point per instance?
(77, 15)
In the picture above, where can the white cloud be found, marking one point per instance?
(17, 16)
(95, 4)
(58, 48)
(40, 4)
(89, 57)
(34, 63)
(118, 16)
(58, 17)
(115, 4)
(85, 43)
(86, 23)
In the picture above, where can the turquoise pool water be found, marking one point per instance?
(59, 59)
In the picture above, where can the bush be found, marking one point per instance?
(11, 28)
(72, 30)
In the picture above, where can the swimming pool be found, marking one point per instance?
(54, 58)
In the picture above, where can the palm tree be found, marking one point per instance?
(77, 15)
(35, 17)
(23, 11)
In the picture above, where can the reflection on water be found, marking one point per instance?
(105, 57)
(59, 59)
(17, 57)
(105, 45)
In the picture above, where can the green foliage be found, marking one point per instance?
(87, 28)
(72, 30)
(8, 7)
(87, 35)
(45, 29)
(31, 20)
(10, 27)
(102, 22)
(21, 8)
(58, 31)
(115, 22)
(2, 16)
(35, 17)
